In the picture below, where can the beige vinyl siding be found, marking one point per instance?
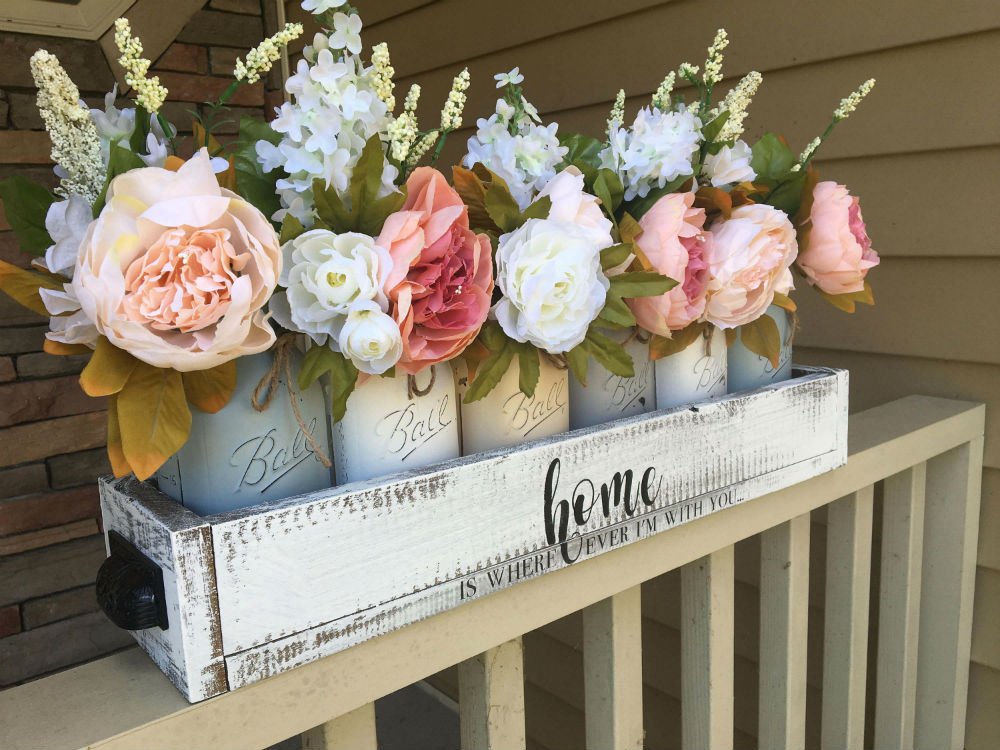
(923, 152)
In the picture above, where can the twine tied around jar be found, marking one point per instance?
(556, 360)
(413, 390)
(264, 393)
(707, 335)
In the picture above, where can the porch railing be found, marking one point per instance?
(926, 452)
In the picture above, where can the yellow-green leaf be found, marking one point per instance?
(640, 284)
(153, 417)
(22, 286)
(629, 228)
(108, 371)
(490, 373)
(784, 302)
(577, 358)
(763, 338)
(210, 390)
(473, 192)
(529, 369)
(660, 347)
(614, 256)
(119, 464)
(610, 354)
(846, 302)
(60, 349)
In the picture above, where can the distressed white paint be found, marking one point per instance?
(189, 651)
(707, 621)
(784, 630)
(899, 607)
(607, 396)
(491, 699)
(352, 731)
(845, 652)
(953, 490)
(612, 664)
(122, 702)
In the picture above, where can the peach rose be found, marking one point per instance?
(441, 282)
(749, 259)
(838, 253)
(674, 242)
(176, 270)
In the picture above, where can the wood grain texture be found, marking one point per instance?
(899, 607)
(612, 662)
(418, 526)
(845, 652)
(125, 703)
(952, 511)
(707, 661)
(189, 651)
(784, 632)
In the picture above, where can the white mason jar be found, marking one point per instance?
(505, 417)
(396, 424)
(607, 396)
(240, 456)
(748, 371)
(694, 374)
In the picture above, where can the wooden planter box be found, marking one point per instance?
(258, 591)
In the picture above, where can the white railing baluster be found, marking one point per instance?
(784, 630)
(845, 653)
(612, 664)
(951, 517)
(352, 731)
(707, 656)
(899, 608)
(491, 699)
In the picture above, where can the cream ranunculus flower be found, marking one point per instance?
(749, 256)
(176, 270)
(571, 204)
(552, 282)
(325, 274)
(370, 338)
(730, 165)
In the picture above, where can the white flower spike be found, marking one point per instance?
(509, 79)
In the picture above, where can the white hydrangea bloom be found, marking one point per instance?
(346, 33)
(526, 159)
(335, 110)
(66, 222)
(117, 125)
(658, 148)
(316, 7)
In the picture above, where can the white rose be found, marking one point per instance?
(552, 283)
(730, 165)
(325, 274)
(370, 338)
(571, 204)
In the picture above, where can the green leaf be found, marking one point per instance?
(366, 179)
(290, 229)
(320, 360)
(537, 210)
(610, 354)
(330, 208)
(120, 161)
(711, 130)
(255, 185)
(137, 143)
(637, 207)
(577, 359)
(787, 196)
(763, 338)
(614, 256)
(374, 213)
(490, 372)
(634, 284)
(501, 206)
(660, 346)
(584, 154)
(609, 189)
(772, 159)
(26, 203)
(617, 312)
(529, 369)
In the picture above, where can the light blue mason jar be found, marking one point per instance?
(748, 371)
(240, 457)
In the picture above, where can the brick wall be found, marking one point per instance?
(51, 434)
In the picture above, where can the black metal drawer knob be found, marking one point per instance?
(130, 587)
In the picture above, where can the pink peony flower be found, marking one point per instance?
(749, 259)
(838, 253)
(441, 282)
(673, 241)
(176, 270)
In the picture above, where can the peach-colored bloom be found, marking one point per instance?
(441, 282)
(749, 259)
(838, 253)
(674, 242)
(176, 270)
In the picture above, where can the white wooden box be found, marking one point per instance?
(261, 590)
